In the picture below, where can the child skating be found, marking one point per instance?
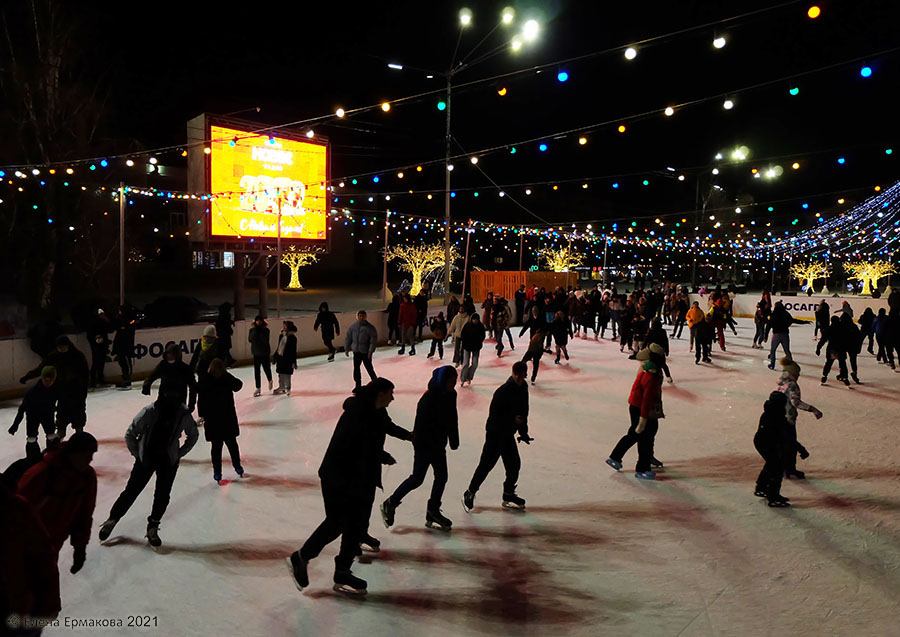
(776, 442)
(38, 407)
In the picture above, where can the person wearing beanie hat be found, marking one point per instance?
(175, 376)
(71, 386)
(62, 487)
(787, 384)
(98, 337)
(209, 330)
(703, 339)
(436, 424)
(261, 350)
(208, 349)
(285, 357)
(38, 407)
(645, 409)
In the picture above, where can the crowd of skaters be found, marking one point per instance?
(54, 490)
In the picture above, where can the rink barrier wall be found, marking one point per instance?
(150, 344)
(801, 307)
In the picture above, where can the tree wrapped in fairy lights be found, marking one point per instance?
(296, 258)
(869, 273)
(561, 259)
(420, 260)
(809, 272)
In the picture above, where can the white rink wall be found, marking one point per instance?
(800, 306)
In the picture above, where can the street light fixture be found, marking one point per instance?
(465, 17)
(508, 15)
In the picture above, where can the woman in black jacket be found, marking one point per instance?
(215, 407)
(261, 349)
(393, 318)
(436, 424)
(330, 327)
(285, 357)
(561, 329)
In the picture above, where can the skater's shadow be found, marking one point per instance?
(112, 442)
(280, 483)
(271, 424)
(680, 393)
(879, 396)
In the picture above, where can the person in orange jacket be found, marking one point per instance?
(694, 316)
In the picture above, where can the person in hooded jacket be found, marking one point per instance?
(407, 319)
(361, 340)
(224, 330)
(421, 304)
(349, 474)
(867, 328)
(854, 340)
(62, 488)
(438, 327)
(645, 410)
(38, 407)
(215, 407)
(823, 312)
(883, 337)
(285, 357)
(456, 325)
(436, 425)
(780, 323)
(123, 344)
(98, 337)
(72, 377)
(507, 420)
(330, 328)
(208, 349)
(393, 318)
(153, 440)
(836, 350)
(561, 328)
(176, 376)
(776, 442)
(788, 385)
(472, 336)
(261, 350)
(694, 318)
(502, 318)
(29, 577)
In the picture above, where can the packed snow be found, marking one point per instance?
(596, 552)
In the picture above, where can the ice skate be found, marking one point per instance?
(778, 501)
(794, 473)
(278, 392)
(107, 528)
(239, 471)
(369, 544)
(645, 475)
(297, 568)
(514, 502)
(824, 380)
(855, 378)
(412, 352)
(387, 513)
(401, 352)
(760, 494)
(257, 393)
(270, 385)
(123, 385)
(217, 478)
(330, 357)
(655, 463)
(434, 520)
(468, 501)
(153, 534)
(615, 464)
(347, 582)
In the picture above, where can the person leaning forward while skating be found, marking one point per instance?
(507, 417)
(349, 473)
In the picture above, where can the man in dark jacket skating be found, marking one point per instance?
(436, 424)
(508, 416)
(123, 344)
(776, 442)
(175, 375)
(330, 328)
(38, 407)
(350, 472)
(72, 377)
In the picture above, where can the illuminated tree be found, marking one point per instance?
(561, 259)
(809, 272)
(869, 273)
(420, 260)
(295, 258)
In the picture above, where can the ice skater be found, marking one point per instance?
(407, 321)
(361, 340)
(473, 334)
(836, 350)
(330, 328)
(760, 319)
(507, 421)
(502, 318)
(788, 385)
(349, 473)
(561, 328)
(285, 357)
(72, 377)
(780, 323)
(123, 344)
(456, 325)
(207, 349)
(436, 425)
(534, 353)
(438, 328)
(261, 350)
(645, 409)
(703, 333)
(776, 442)
(153, 439)
(175, 376)
(38, 407)
(215, 407)
(694, 318)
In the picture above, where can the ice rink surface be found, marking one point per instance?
(597, 552)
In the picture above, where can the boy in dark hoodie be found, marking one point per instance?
(330, 328)
(38, 407)
(175, 373)
(776, 442)
(436, 424)
(704, 338)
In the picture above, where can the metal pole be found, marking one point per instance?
(278, 263)
(121, 243)
(603, 278)
(522, 246)
(447, 264)
(773, 272)
(466, 263)
(387, 230)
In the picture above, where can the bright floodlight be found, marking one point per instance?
(465, 17)
(339, 112)
(669, 111)
(397, 67)
(310, 134)
(630, 53)
(728, 105)
(508, 15)
(516, 43)
(530, 31)
(719, 156)
(719, 42)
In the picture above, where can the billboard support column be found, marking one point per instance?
(604, 275)
(239, 302)
(447, 264)
(521, 245)
(278, 264)
(121, 243)
(387, 230)
(466, 262)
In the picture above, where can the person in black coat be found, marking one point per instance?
(224, 330)
(776, 442)
(520, 298)
(215, 407)
(98, 337)
(38, 407)
(508, 416)
(175, 374)
(534, 323)
(285, 357)
(703, 339)
(72, 377)
(836, 350)
(561, 328)
(853, 338)
(123, 344)
(393, 320)
(867, 328)
(436, 424)
(261, 350)
(330, 328)
(452, 309)
(473, 334)
(350, 472)
(421, 303)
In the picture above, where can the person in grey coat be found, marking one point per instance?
(361, 339)
(153, 439)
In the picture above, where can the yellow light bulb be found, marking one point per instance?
(621, 128)
(385, 107)
(582, 140)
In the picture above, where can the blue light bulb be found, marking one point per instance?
(562, 76)
(542, 147)
(866, 71)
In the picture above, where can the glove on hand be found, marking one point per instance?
(78, 561)
(642, 424)
(526, 439)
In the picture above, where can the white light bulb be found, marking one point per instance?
(715, 171)
(465, 17)
(450, 167)
(474, 160)
(728, 105)
(630, 53)
(508, 15)
(339, 112)
(719, 42)
(310, 134)
(530, 30)
(669, 111)
(516, 43)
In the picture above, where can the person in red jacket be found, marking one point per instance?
(407, 319)
(29, 578)
(62, 488)
(645, 409)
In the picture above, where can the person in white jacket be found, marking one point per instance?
(787, 384)
(456, 325)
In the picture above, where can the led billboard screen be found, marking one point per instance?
(253, 176)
